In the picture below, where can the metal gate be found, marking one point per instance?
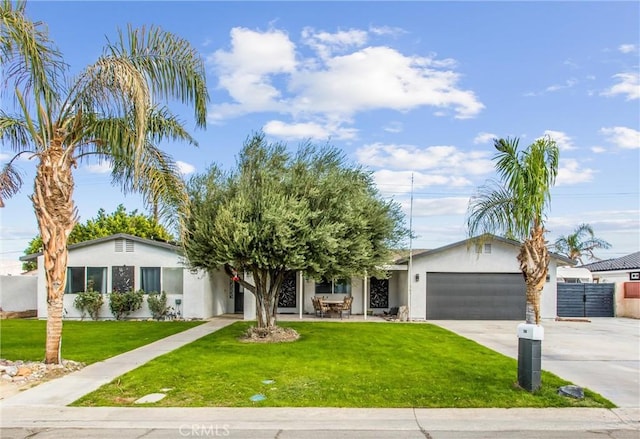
(585, 300)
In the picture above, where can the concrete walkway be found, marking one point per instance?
(65, 390)
(41, 413)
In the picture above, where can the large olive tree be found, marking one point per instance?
(310, 211)
(516, 207)
(113, 110)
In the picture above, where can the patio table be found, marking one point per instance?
(335, 306)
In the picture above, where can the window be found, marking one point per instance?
(97, 279)
(338, 286)
(75, 280)
(167, 279)
(80, 279)
(342, 286)
(172, 280)
(150, 279)
(324, 287)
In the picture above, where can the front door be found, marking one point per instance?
(238, 298)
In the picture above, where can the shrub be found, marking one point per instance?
(123, 304)
(158, 305)
(89, 302)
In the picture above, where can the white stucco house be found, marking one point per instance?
(475, 280)
(458, 281)
(124, 262)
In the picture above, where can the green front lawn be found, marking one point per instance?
(85, 341)
(336, 365)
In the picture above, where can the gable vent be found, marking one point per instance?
(129, 245)
(119, 245)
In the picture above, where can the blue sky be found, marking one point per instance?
(404, 88)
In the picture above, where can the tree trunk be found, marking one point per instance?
(267, 289)
(56, 215)
(534, 263)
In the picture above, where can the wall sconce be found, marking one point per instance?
(417, 277)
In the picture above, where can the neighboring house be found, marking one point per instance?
(624, 269)
(624, 272)
(458, 281)
(574, 275)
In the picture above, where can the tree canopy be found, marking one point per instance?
(309, 211)
(582, 242)
(133, 223)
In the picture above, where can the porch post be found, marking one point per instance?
(301, 293)
(364, 294)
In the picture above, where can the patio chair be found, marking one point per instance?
(346, 306)
(319, 307)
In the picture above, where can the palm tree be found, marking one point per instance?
(515, 207)
(580, 243)
(113, 111)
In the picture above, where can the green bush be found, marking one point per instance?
(123, 304)
(158, 305)
(89, 302)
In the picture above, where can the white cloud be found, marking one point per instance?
(265, 72)
(308, 130)
(622, 137)
(444, 159)
(563, 141)
(399, 182)
(628, 84)
(598, 149)
(567, 84)
(246, 71)
(570, 172)
(325, 44)
(380, 77)
(185, 168)
(484, 138)
(423, 207)
(393, 127)
(386, 30)
(627, 48)
(103, 167)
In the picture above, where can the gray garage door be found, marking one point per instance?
(475, 296)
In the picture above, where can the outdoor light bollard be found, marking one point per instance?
(530, 338)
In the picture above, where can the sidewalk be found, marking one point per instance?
(41, 412)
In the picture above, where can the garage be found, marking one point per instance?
(475, 296)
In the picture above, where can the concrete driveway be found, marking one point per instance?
(602, 354)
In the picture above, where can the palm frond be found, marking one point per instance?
(10, 182)
(28, 56)
(490, 210)
(174, 69)
(15, 132)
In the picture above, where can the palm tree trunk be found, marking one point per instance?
(56, 216)
(534, 263)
